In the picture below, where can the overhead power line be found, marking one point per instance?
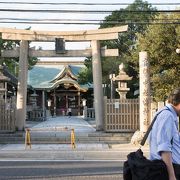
(86, 11)
(80, 20)
(84, 4)
(85, 23)
(37, 19)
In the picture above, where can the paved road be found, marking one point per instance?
(76, 170)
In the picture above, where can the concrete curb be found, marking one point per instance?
(64, 155)
(29, 154)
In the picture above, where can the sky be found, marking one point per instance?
(61, 27)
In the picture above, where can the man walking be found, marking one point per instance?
(165, 137)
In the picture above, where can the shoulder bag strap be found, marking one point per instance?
(150, 127)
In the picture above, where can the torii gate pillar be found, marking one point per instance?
(22, 86)
(97, 81)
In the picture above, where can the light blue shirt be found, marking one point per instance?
(164, 135)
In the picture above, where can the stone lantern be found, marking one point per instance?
(122, 79)
(3, 85)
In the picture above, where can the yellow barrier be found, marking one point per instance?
(73, 139)
(27, 139)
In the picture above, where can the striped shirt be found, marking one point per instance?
(165, 136)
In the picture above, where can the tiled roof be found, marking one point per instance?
(42, 76)
(13, 79)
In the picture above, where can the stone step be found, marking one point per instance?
(111, 138)
(16, 140)
(12, 140)
(80, 138)
(69, 154)
(128, 134)
(15, 134)
(77, 141)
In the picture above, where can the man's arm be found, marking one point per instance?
(167, 158)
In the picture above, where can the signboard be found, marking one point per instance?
(116, 105)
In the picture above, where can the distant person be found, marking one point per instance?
(165, 136)
(69, 112)
(52, 111)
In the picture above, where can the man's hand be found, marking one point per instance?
(173, 178)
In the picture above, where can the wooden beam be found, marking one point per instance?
(52, 53)
(87, 35)
(60, 62)
(51, 38)
(65, 33)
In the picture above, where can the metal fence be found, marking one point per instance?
(7, 116)
(121, 115)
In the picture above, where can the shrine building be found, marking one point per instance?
(59, 85)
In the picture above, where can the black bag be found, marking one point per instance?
(138, 167)
(177, 171)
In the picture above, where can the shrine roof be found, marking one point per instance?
(44, 76)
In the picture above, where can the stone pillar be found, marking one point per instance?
(22, 86)
(54, 103)
(111, 77)
(144, 81)
(67, 104)
(5, 98)
(79, 103)
(43, 105)
(85, 112)
(97, 80)
(145, 99)
(160, 105)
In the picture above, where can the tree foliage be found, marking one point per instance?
(85, 75)
(13, 63)
(161, 41)
(126, 41)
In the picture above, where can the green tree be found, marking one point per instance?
(85, 75)
(126, 41)
(8, 45)
(161, 41)
(12, 63)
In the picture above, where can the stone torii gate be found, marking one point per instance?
(94, 36)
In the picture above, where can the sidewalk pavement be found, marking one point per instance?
(65, 152)
(57, 126)
(51, 128)
(49, 151)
